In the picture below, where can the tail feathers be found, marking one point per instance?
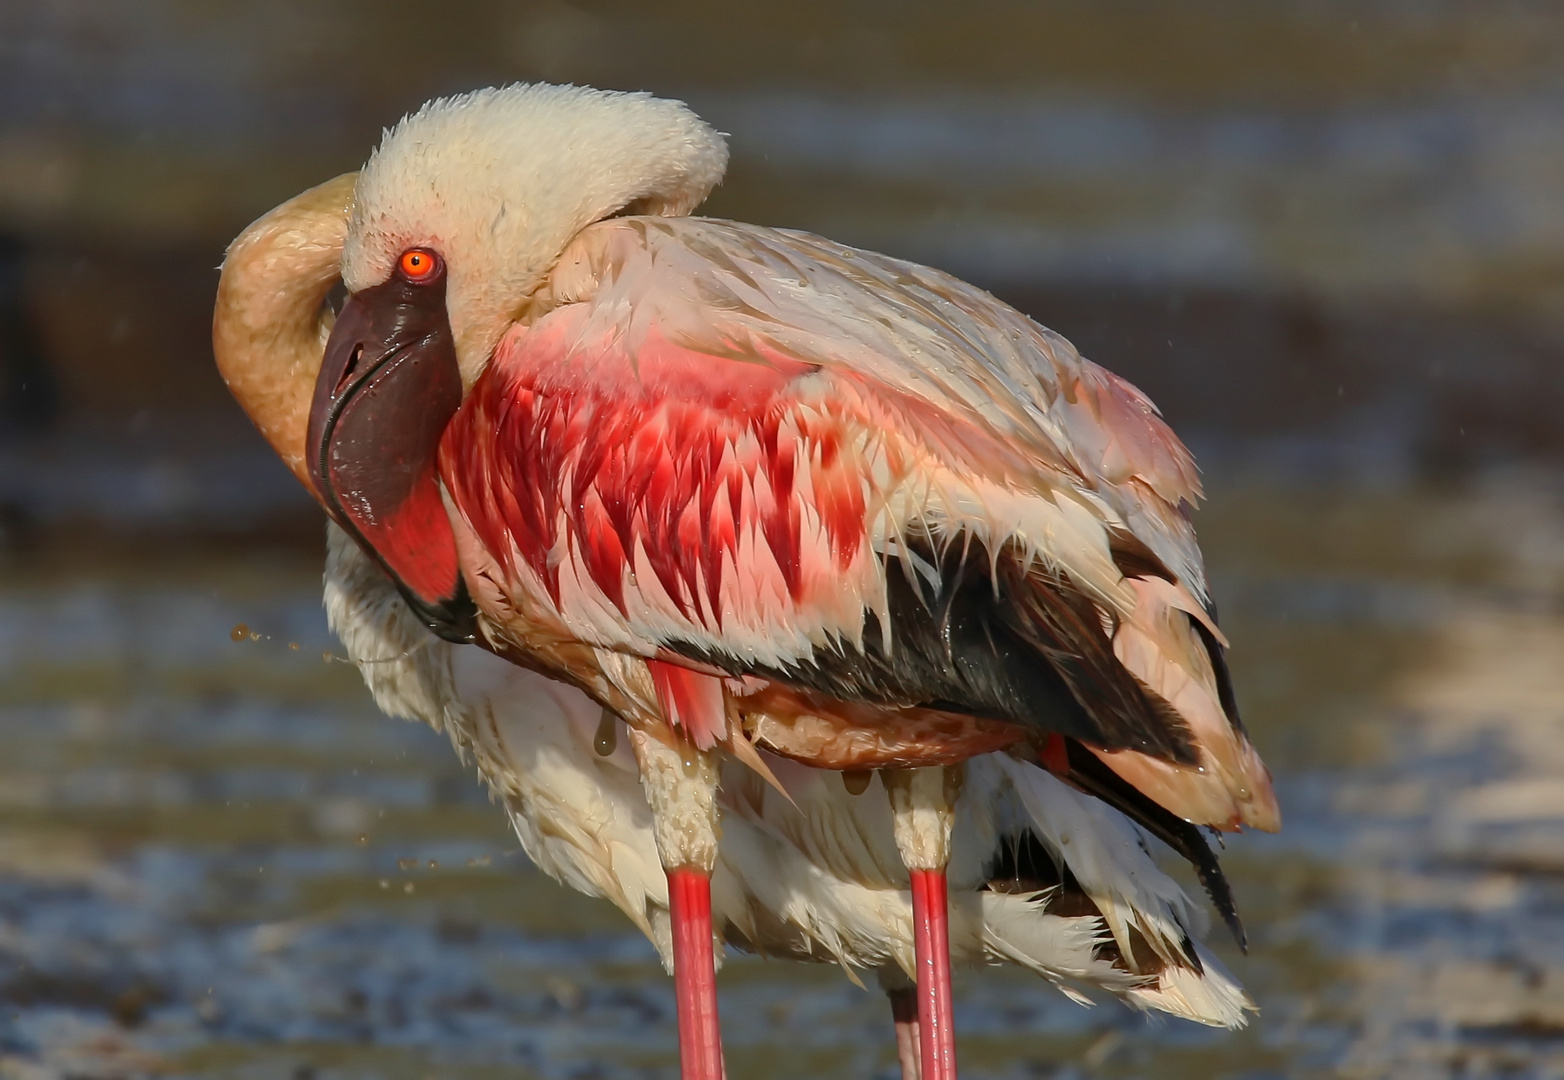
(1140, 904)
(1081, 768)
(1068, 952)
(1210, 996)
(1062, 949)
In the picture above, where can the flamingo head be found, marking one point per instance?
(494, 184)
(452, 226)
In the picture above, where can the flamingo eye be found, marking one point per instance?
(418, 264)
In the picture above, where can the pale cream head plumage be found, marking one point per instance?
(499, 181)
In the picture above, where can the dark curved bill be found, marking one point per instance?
(388, 386)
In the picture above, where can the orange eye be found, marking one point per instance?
(418, 264)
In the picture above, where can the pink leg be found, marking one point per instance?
(904, 1010)
(695, 975)
(931, 941)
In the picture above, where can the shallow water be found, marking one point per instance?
(216, 858)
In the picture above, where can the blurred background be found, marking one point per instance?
(1326, 237)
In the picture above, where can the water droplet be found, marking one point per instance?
(408, 888)
(607, 734)
(856, 781)
(363, 841)
(293, 646)
(481, 860)
(407, 864)
(384, 884)
(239, 632)
(325, 656)
(433, 865)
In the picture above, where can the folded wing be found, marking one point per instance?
(768, 455)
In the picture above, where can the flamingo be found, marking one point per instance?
(746, 487)
(571, 790)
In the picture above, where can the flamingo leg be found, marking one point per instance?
(695, 975)
(923, 808)
(681, 789)
(931, 940)
(904, 1013)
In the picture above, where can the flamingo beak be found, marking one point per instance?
(387, 387)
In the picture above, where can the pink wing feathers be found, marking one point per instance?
(719, 437)
(650, 494)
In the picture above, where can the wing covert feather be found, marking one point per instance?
(913, 333)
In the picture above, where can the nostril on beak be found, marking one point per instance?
(347, 372)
